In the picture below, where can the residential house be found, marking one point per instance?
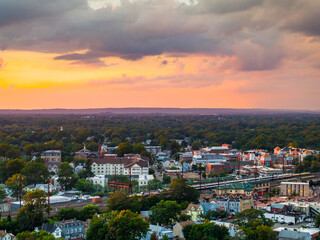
(195, 211)
(178, 227)
(234, 205)
(52, 229)
(296, 233)
(6, 236)
(145, 179)
(159, 231)
(207, 206)
(99, 179)
(52, 159)
(71, 229)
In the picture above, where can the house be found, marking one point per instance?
(99, 179)
(178, 227)
(215, 168)
(232, 229)
(234, 205)
(159, 231)
(85, 154)
(71, 229)
(195, 211)
(265, 160)
(153, 149)
(235, 189)
(278, 207)
(52, 229)
(6, 236)
(207, 206)
(52, 159)
(289, 217)
(296, 234)
(145, 179)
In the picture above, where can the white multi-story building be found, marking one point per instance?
(99, 179)
(120, 166)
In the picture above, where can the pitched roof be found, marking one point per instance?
(48, 227)
(3, 233)
(196, 206)
(185, 223)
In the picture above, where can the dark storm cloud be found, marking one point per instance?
(251, 30)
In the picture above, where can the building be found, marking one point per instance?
(195, 211)
(295, 188)
(178, 227)
(52, 159)
(85, 154)
(265, 160)
(296, 234)
(235, 189)
(71, 229)
(99, 179)
(288, 217)
(200, 158)
(120, 166)
(153, 149)
(159, 231)
(51, 156)
(6, 236)
(234, 205)
(215, 168)
(145, 179)
(52, 229)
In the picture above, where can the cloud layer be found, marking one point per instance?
(251, 30)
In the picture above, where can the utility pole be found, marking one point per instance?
(200, 180)
(115, 178)
(48, 196)
(20, 189)
(130, 186)
(149, 188)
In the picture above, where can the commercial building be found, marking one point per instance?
(295, 188)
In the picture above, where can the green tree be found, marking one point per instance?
(124, 225)
(35, 172)
(165, 212)
(16, 182)
(15, 166)
(88, 212)
(85, 186)
(181, 192)
(120, 201)
(41, 235)
(3, 193)
(205, 231)
(67, 178)
(31, 214)
(124, 148)
(87, 170)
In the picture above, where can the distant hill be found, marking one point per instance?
(164, 111)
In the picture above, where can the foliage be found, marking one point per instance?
(31, 214)
(87, 212)
(254, 225)
(124, 225)
(121, 201)
(212, 215)
(205, 231)
(67, 178)
(124, 148)
(180, 191)
(41, 235)
(3, 193)
(15, 182)
(165, 212)
(35, 172)
(166, 179)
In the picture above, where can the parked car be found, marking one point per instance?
(282, 222)
(290, 223)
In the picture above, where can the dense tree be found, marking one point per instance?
(165, 212)
(205, 231)
(180, 191)
(35, 172)
(124, 225)
(67, 178)
(124, 148)
(16, 182)
(31, 214)
(120, 201)
(212, 215)
(3, 193)
(15, 166)
(41, 235)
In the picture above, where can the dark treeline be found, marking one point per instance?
(35, 133)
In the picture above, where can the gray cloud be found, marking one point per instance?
(251, 30)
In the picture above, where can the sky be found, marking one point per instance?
(160, 53)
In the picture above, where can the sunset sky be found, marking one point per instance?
(160, 53)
